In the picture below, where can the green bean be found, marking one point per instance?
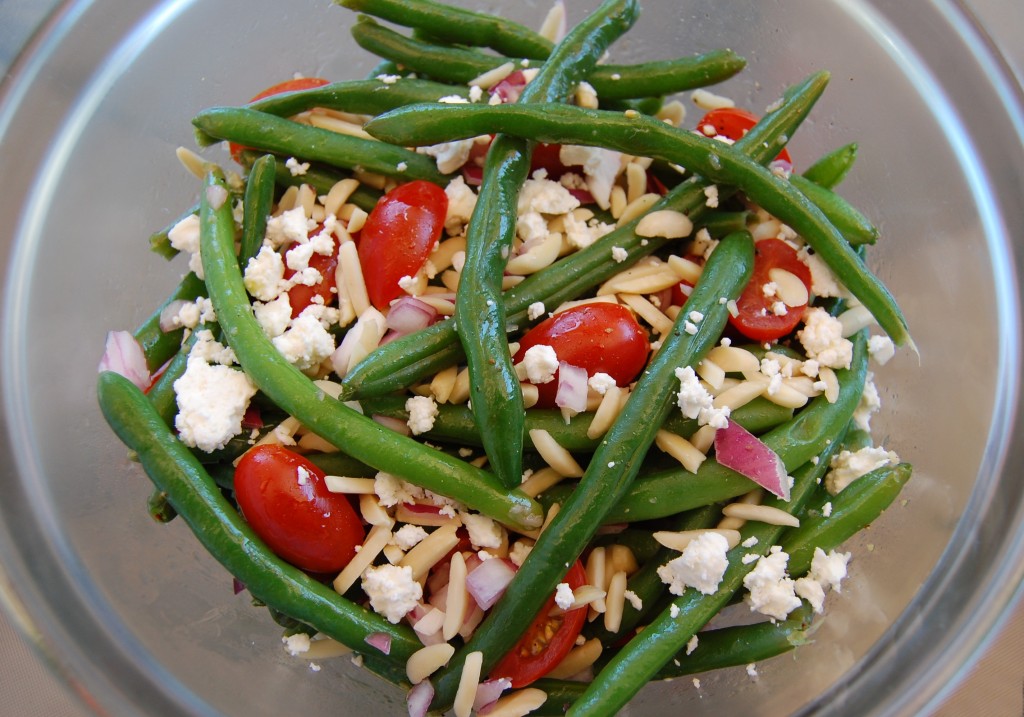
(359, 436)
(159, 345)
(638, 134)
(229, 539)
(495, 393)
(371, 96)
(341, 464)
(719, 224)
(404, 361)
(855, 227)
(658, 643)
(615, 463)
(455, 424)
(796, 442)
(457, 26)
(831, 168)
(277, 135)
(159, 508)
(320, 179)
(611, 82)
(256, 206)
(158, 241)
(853, 509)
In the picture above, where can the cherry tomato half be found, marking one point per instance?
(398, 236)
(597, 337)
(547, 641)
(300, 296)
(733, 123)
(299, 83)
(285, 500)
(756, 318)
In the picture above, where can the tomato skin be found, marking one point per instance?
(301, 296)
(598, 337)
(398, 236)
(732, 122)
(519, 665)
(299, 519)
(299, 83)
(755, 318)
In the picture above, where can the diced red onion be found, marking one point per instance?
(395, 424)
(439, 598)
(237, 586)
(419, 698)
(487, 582)
(124, 355)
(488, 692)
(740, 450)
(572, 387)
(583, 195)
(474, 617)
(169, 315)
(380, 640)
(664, 298)
(473, 174)
(216, 195)
(428, 627)
(612, 529)
(252, 418)
(510, 88)
(409, 314)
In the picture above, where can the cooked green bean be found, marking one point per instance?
(614, 464)
(217, 525)
(611, 82)
(159, 345)
(319, 178)
(404, 361)
(457, 26)
(832, 167)
(854, 226)
(280, 136)
(350, 431)
(158, 241)
(256, 206)
(495, 394)
(638, 134)
(371, 96)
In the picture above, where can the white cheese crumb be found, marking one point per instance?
(296, 167)
(535, 310)
(673, 611)
(619, 254)
(564, 596)
(822, 339)
(634, 600)
(750, 542)
(296, 644)
(461, 202)
(483, 531)
(540, 362)
(692, 645)
(701, 565)
(690, 328)
(827, 571)
(545, 197)
(869, 404)
(184, 236)
(392, 490)
(391, 590)
(449, 156)
(695, 402)
(752, 671)
(711, 196)
(600, 167)
(826, 510)
(749, 558)
(288, 227)
(520, 549)
(848, 466)
(401, 166)
(306, 344)
(422, 413)
(211, 399)
(600, 382)
(408, 536)
(771, 590)
(881, 348)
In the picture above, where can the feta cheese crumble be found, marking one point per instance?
(772, 591)
(701, 565)
(563, 596)
(695, 401)
(847, 466)
(822, 339)
(422, 413)
(391, 590)
(540, 363)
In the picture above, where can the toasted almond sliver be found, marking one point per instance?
(325, 648)
(378, 537)
(443, 383)
(785, 396)
(636, 181)
(739, 395)
(827, 375)
(680, 449)
(531, 394)
(428, 660)
(678, 540)
(338, 194)
(555, 455)
(606, 413)
(456, 603)
(703, 438)
(554, 26)
(373, 512)
(578, 659)
(350, 273)
(685, 269)
(621, 559)
(666, 223)
(734, 359)
(606, 299)
(636, 208)
(648, 311)
(854, 319)
(644, 283)
(581, 597)
(423, 518)
(339, 126)
(460, 392)
(760, 513)
(493, 76)
(346, 484)
(617, 202)
(445, 252)
(595, 568)
(468, 682)
(790, 289)
(191, 161)
(519, 703)
(393, 553)
(539, 481)
(313, 442)
(711, 372)
(615, 602)
(430, 550)
(537, 257)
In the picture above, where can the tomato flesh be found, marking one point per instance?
(301, 296)
(547, 641)
(285, 500)
(732, 122)
(398, 236)
(598, 337)
(299, 83)
(756, 318)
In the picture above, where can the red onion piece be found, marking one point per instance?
(124, 355)
(419, 698)
(409, 314)
(488, 692)
(428, 627)
(237, 586)
(572, 387)
(169, 315)
(487, 582)
(510, 88)
(252, 418)
(380, 640)
(474, 617)
(583, 195)
(739, 449)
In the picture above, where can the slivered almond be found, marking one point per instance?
(339, 126)
(537, 257)
(443, 383)
(680, 449)
(760, 513)
(424, 518)
(739, 395)
(827, 375)
(703, 438)
(711, 372)
(373, 512)
(790, 289)
(460, 392)
(578, 659)
(493, 76)
(636, 181)
(427, 660)
(617, 201)
(468, 683)
(581, 596)
(443, 255)
(338, 194)
(648, 312)
(854, 319)
(621, 559)
(430, 550)
(637, 208)
(350, 273)
(456, 603)
(596, 576)
(685, 269)
(346, 484)
(733, 359)
(678, 540)
(606, 413)
(615, 602)
(785, 396)
(554, 454)
(666, 223)
(540, 481)
(519, 703)
(325, 648)
(378, 537)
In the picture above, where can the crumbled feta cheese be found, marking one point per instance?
(822, 339)
(673, 611)
(701, 565)
(564, 596)
(296, 167)
(881, 348)
(619, 254)
(545, 197)
(827, 571)
(752, 671)
(848, 466)
(535, 310)
(750, 542)
(823, 282)
(461, 202)
(449, 156)
(772, 592)
(690, 328)
(601, 382)
(581, 234)
(531, 227)
(476, 92)
(826, 510)
(408, 536)
(422, 412)
(273, 316)
(392, 490)
(288, 227)
(453, 100)
(296, 644)
(389, 79)
(600, 167)
(184, 236)
(483, 531)
(695, 402)
(211, 402)
(264, 274)
(634, 600)
(692, 645)
(392, 590)
(306, 343)
(540, 362)
(711, 196)
(869, 404)
(517, 554)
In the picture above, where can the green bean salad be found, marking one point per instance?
(502, 376)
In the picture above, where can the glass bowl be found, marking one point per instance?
(140, 621)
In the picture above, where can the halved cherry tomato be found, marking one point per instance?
(300, 296)
(598, 337)
(299, 83)
(756, 318)
(732, 122)
(398, 236)
(547, 641)
(285, 500)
